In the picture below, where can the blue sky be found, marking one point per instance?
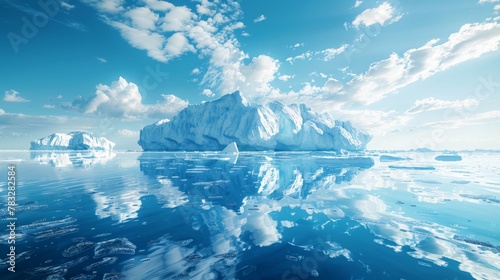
(412, 73)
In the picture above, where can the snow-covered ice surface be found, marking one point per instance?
(211, 126)
(262, 215)
(78, 140)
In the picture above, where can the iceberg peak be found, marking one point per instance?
(235, 98)
(213, 125)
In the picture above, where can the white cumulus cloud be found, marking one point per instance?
(208, 93)
(285, 78)
(385, 13)
(13, 96)
(122, 99)
(166, 31)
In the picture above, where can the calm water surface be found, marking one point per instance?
(253, 216)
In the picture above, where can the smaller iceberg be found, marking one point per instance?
(448, 157)
(387, 158)
(232, 149)
(78, 140)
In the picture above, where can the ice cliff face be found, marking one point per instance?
(275, 126)
(78, 140)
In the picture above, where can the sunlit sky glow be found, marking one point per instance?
(412, 73)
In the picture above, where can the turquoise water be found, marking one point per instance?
(253, 216)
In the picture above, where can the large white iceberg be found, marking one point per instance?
(275, 126)
(78, 140)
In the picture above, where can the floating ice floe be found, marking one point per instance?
(105, 261)
(232, 148)
(56, 269)
(412, 167)
(448, 157)
(77, 249)
(113, 276)
(387, 158)
(55, 277)
(117, 246)
(83, 277)
(41, 226)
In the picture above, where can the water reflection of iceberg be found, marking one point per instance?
(238, 204)
(83, 159)
(274, 175)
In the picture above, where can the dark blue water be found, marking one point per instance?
(253, 216)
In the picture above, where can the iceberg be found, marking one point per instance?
(448, 157)
(211, 126)
(78, 140)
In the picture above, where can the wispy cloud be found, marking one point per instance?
(260, 18)
(66, 6)
(383, 14)
(476, 119)
(358, 3)
(431, 104)
(102, 60)
(387, 76)
(295, 46)
(488, 1)
(303, 56)
(55, 16)
(128, 132)
(325, 55)
(108, 6)
(331, 53)
(13, 96)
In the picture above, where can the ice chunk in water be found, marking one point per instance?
(51, 233)
(41, 226)
(105, 261)
(232, 148)
(114, 246)
(113, 276)
(183, 242)
(55, 277)
(448, 157)
(387, 158)
(83, 277)
(226, 256)
(412, 167)
(77, 249)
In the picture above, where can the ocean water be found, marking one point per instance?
(253, 216)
